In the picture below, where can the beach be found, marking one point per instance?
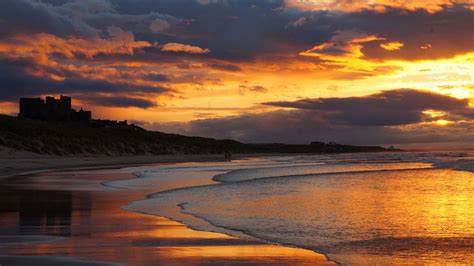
(320, 209)
(13, 162)
(233, 132)
(58, 212)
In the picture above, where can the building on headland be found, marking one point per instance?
(60, 110)
(111, 123)
(52, 109)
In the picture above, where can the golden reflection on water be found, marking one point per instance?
(174, 230)
(96, 229)
(409, 216)
(252, 252)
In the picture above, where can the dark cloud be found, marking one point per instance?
(374, 119)
(388, 108)
(425, 36)
(225, 67)
(257, 88)
(15, 82)
(279, 126)
(29, 17)
(158, 77)
(230, 31)
(243, 30)
(120, 102)
(89, 18)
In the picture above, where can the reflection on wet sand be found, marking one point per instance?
(96, 229)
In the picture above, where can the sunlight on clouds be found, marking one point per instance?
(443, 122)
(343, 44)
(431, 6)
(452, 77)
(42, 46)
(306, 79)
(434, 113)
(344, 54)
(392, 46)
(204, 83)
(184, 48)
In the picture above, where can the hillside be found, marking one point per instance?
(55, 138)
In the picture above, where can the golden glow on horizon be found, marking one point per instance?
(337, 68)
(431, 6)
(292, 82)
(443, 122)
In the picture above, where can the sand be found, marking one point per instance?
(87, 226)
(14, 163)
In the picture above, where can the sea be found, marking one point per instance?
(357, 209)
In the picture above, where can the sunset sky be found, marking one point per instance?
(357, 72)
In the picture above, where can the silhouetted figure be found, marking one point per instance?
(228, 156)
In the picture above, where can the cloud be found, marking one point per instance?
(158, 77)
(342, 45)
(304, 127)
(255, 89)
(249, 29)
(391, 117)
(184, 48)
(120, 101)
(431, 6)
(16, 81)
(44, 46)
(225, 67)
(446, 32)
(81, 18)
(387, 108)
(31, 17)
(159, 25)
(297, 23)
(392, 46)
(128, 48)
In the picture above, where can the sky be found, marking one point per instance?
(365, 72)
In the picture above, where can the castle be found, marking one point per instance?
(52, 109)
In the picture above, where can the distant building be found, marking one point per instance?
(52, 109)
(111, 123)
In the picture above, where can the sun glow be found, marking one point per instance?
(443, 122)
(434, 113)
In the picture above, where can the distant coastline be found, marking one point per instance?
(79, 139)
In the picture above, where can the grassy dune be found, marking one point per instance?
(82, 139)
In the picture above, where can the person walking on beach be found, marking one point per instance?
(227, 156)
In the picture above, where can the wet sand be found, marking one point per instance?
(59, 221)
(14, 163)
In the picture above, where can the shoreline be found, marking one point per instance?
(36, 164)
(255, 251)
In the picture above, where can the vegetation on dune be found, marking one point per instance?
(56, 138)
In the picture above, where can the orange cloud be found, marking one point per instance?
(43, 45)
(344, 44)
(431, 6)
(184, 48)
(392, 46)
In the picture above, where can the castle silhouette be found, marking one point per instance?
(60, 110)
(52, 109)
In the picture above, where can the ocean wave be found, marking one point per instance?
(263, 200)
